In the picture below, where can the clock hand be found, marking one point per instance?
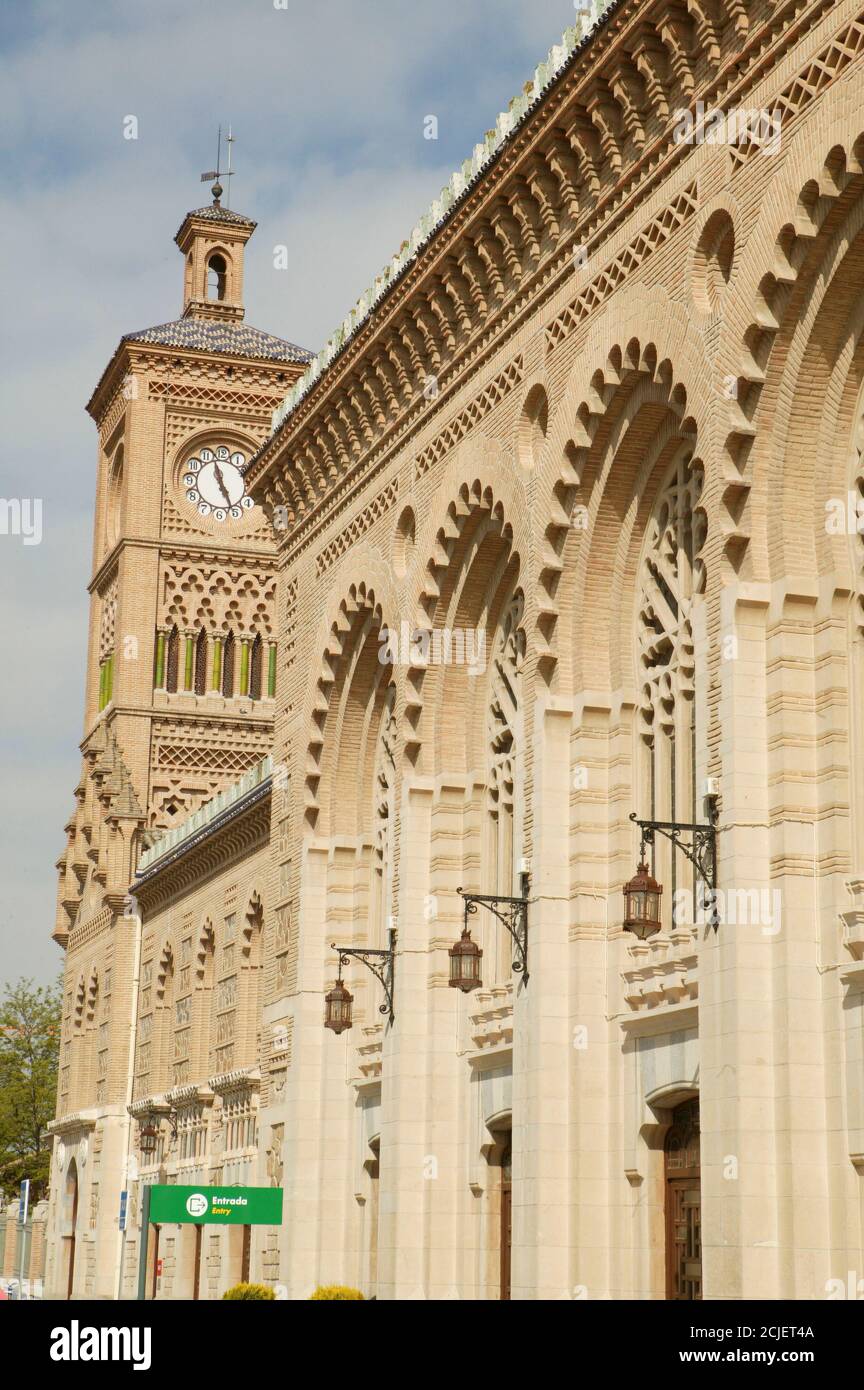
(221, 481)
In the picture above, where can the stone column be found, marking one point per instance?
(317, 1106)
(406, 1139)
(186, 682)
(216, 665)
(738, 1022)
(160, 675)
(542, 1033)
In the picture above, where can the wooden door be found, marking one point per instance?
(199, 1231)
(506, 1219)
(71, 1253)
(683, 1205)
(70, 1214)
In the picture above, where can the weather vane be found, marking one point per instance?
(217, 172)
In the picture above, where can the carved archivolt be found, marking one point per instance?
(488, 507)
(385, 782)
(788, 250)
(351, 659)
(505, 709)
(635, 407)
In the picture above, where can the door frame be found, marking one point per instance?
(506, 1221)
(199, 1241)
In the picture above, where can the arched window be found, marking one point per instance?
(165, 1018)
(228, 666)
(672, 584)
(201, 663)
(385, 782)
(115, 496)
(504, 752)
(205, 970)
(173, 660)
(90, 1023)
(217, 277)
(250, 982)
(255, 668)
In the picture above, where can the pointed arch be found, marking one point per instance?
(786, 276)
(469, 560)
(228, 660)
(256, 666)
(205, 976)
(200, 679)
(251, 992)
(173, 660)
(346, 698)
(628, 407)
(164, 1018)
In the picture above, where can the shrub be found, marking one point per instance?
(337, 1291)
(262, 1291)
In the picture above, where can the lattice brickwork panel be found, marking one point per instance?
(179, 427)
(625, 263)
(186, 394)
(810, 82)
(470, 417)
(288, 644)
(358, 527)
(218, 598)
(108, 620)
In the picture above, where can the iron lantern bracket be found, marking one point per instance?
(700, 848)
(512, 913)
(155, 1118)
(380, 963)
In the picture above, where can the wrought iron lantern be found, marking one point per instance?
(148, 1137)
(642, 904)
(465, 957)
(512, 913)
(337, 1004)
(151, 1130)
(642, 894)
(337, 1007)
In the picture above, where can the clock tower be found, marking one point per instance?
(181, 665)
(181, 670)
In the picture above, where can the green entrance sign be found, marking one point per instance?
(223, 1206)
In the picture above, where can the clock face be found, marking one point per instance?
(214, 484)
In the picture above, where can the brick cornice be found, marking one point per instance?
(279, 473)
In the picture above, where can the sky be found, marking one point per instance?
(328, 103)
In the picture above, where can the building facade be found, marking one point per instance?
(563, 525)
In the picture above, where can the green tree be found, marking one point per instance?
(29, 1052)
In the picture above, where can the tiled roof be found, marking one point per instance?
(208, 335)
(212, 815)
(214, 214)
